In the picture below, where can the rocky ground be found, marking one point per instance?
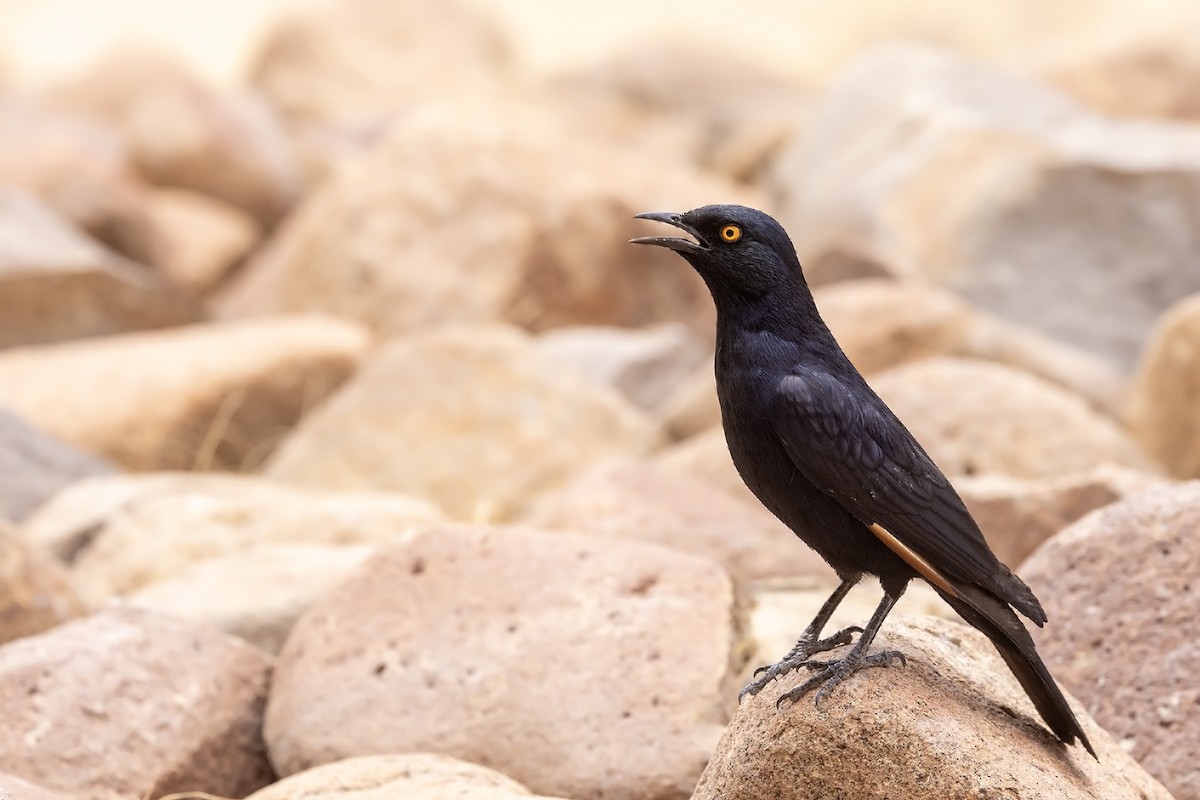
(349, 450)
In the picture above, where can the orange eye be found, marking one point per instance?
(731, 233)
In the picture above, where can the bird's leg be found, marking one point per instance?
(808, 645)
(831, 673)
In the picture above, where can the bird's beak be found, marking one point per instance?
(671, 242)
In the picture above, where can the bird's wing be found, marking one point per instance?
(860, 454)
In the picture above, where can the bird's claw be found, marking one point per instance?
(804, 649)
(831, 673)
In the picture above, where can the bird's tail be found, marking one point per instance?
(998, 622)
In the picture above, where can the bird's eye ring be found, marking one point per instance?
(731, 233)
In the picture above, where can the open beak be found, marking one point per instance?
(671, 242)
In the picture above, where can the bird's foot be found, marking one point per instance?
(831, 673)
(804, 650)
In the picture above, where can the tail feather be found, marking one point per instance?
(997, 621)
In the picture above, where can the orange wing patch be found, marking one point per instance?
(912, 559)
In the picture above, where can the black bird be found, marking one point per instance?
(819, 448)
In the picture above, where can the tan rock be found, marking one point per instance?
(884, 323)
(14, 788)
(166, 528)
(413, 776)
(692, 407)
(183, 134)
(706, 457)
(201, 238)
(1123, 584)
(974, 416)
(645, 365)
(354, 63)
(952, 723)
(217, 395)
(845, 261)
(35, 590)
(635, 500)
(1166, 391)
(1002, 189)
(1142, 76)
(125, 703)
(564, 662)
(484, 422)
(256, 594)
(1017, 515)
(56, 283)
(447, 221)
(35, 466)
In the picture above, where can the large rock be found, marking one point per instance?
(449, 221)
(35, 590)
(588, 668)
(257, 593)
(14, 788)
(217, 395)
(35, 465)
(183, 134)
(974, 416)
(706, 457)
(201, 239)
(1139, 76)
(131, 704)
(1166, 391)
(56, 283)
(161, 529)
(412, 776)
(476, 419)
(635, 500)
(1069, 222)
(952, 723)
(356, 62)
(1121, 587)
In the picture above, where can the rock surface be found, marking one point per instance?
(706, 456)
(1123, 584)
(1031, 428)
(130, 704)
(57, 284)
(634, 500)
(953, 723)
(164, 528)
(413, 776)
(1151, 76)
(589, 669)
(425, 407)
(1166, 391)
(14, 788)
(35, 590)
(1002, 189)
(201, 239)
(35, 465)
(256, 593)
(216, 395)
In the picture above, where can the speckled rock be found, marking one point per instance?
(35, 590)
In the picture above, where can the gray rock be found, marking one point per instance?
(35, 465)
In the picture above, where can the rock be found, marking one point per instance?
(644, 365)
(448, 221)
(35, 465)
(692, 407)
(1017, 515)
(1166, 390)
(483, 397)
(167, 527)
(1000, 188)
(884, 323)
(185, 135)
(636, 500)
(354, 63)
(845, 261)
(202, 239)
(125, 703)
(953, 723)
(975, 416)
(14, 788)
(706, 457)
(1123, 585)
(35, 591)
(257, 593)
(412, 776)
(81, 169)
(1138, 77)
(56, 284)
(638, 637)
(216, 395)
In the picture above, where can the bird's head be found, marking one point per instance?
(735, 249)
